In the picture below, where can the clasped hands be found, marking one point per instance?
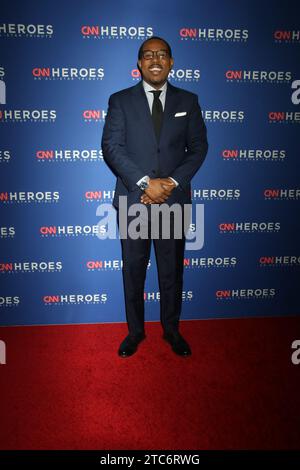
(158, 191)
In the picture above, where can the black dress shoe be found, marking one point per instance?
(178, 343)
(130, 344)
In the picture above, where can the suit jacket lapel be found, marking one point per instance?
(170, 106)
(141, 105)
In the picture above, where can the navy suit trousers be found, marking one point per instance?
(169, 258)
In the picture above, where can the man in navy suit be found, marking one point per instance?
(154, 140)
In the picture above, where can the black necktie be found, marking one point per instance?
(157, 112)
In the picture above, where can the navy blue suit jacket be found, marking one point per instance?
(132, 151)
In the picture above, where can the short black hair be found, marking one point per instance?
(151, 39)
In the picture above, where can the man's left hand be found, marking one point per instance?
(168, 186)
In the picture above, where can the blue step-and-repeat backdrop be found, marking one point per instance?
(59, 62)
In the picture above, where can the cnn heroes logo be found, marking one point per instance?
(284, 36)
(28, 115)
(99, 196)
(227, 116)
(68, 155)
(284, 117)
(116, 32)
(206, 263)
(258, 76)
(105, 265)
(30, 267)
(280, 261)
(16, 30)
(245, 294)
(75, 299)
(249, 227)
(154, 296)
(94, 115)
(68, 73)
(281, 194)
(27, 197)
(274, 155)
(73, 231)
(176, 75)
(214, 34)
(221, 194)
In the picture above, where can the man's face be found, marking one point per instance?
(155, 69)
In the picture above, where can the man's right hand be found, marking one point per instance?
(159, 190)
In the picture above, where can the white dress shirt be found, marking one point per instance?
(150, 97)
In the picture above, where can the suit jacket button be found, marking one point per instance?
(153, 171)
(158, 150)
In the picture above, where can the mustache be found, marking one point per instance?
(155, 66)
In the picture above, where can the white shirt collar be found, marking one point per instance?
(148, 87)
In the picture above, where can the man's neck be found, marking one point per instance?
(153, 85)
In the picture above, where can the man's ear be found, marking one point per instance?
(172, 62)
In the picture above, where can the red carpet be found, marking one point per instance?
(64, 387)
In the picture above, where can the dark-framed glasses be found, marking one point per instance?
(161, 55)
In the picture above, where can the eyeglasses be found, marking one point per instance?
(161, 55)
